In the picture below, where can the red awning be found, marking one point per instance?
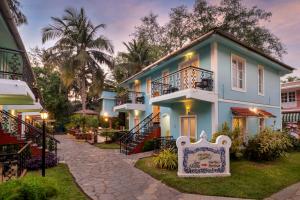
(247, 112)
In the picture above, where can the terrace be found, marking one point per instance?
(189, 82)
(130, 100)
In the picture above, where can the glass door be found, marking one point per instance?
(188, 127)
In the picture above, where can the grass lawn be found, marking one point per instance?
(248, 179)
(62, 179)
(107, 145)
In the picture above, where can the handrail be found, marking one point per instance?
(189, 67)
(24, 147)
(29, 125)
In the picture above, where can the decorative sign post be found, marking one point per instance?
(203, 159)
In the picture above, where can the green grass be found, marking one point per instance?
(58, 181)
(108, 145)
(248, 179)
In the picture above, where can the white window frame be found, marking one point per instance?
(196, 122)
(260, 67)
(234, 56)
(148, 90)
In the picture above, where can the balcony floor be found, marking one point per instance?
(192, 93)
(129, 106)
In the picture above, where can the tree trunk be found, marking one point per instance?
(83, 94)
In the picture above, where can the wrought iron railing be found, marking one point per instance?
(11, 124)
(164, 142)
(144, 127)
(130, 97)
(11, 64)
(186, 78)
(13, 164)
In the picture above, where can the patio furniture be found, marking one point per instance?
(205, 84)
(140, 99)
(170, 89)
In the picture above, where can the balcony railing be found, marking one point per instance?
(130, 97)
(11, 64)
(186, 78)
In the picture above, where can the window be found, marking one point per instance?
(284, 97)
(288, 97)
(292, 96)
(260, 80)
(238, 73)
(261, 124)
(148, 86)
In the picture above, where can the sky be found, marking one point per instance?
(121, 16)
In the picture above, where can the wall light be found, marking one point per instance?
(253, 109)
(136, 113)
(13, 112)
(189, 55)
(105, 114)
(136, 81)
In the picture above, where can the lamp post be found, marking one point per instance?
(44, 116)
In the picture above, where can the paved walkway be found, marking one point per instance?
(107, 174)
(290, 193)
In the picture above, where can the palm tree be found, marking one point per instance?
(79, 52)
(19, 17)
(138, 55)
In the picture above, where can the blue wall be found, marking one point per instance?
(108, 103)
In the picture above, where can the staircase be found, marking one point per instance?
(134, 140)
(12, 142)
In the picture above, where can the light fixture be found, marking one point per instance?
(44, 114)
(105, 114)
(189, 55)
(136, 81)
(253, 109)
(106, 119)
(136, 112)
(13, 112)
(27, 117)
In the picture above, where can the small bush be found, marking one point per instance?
(237, 146)
(33, 188)
(35, 163)
(295, 142)
(113, 136)
(149, 145)
(268, 145)
(166, 159)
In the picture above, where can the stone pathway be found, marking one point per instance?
(107, 174)
(290, 193)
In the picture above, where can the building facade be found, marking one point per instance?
(213, 80)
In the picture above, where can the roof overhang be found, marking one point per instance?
(15, 92)
(36, 107)
(129, 106)
(247, 112)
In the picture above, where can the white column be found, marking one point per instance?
(23, 126)
(214, 68)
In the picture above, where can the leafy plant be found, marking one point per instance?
(112, 135)
(33, 188)
(166, 159)
(148, 145)
(268, 145)
(237, 146)
(35, 162)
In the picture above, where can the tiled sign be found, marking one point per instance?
(203, 159)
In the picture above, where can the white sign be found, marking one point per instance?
(203, 159)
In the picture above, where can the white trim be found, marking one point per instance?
(247, 103)
(148, 93)
(263, 80)
(196, 128)
(129, 106)
(186, 94)
(214, 64)
(245, 74)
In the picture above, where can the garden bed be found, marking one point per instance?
(57, 185)
(248, 179)
(108, 145)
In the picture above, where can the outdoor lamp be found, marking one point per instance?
(44, 116)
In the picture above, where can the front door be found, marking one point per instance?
(240, 122)
(155, 111)
(165, 125)
(188, 127)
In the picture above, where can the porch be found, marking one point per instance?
(130, 100)
(187, 83)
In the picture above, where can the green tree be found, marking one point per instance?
(230, 16)
(18, 15)
(79, 52)
(55, 95)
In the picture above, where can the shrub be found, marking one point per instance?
(295, 142)
(35, 162)
(112, 135)
(166, 159)
(148, 145)
(33, 188)
(237, 146)
(268, 145)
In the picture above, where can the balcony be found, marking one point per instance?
(190, 82)
(13, 67)
(130, 100)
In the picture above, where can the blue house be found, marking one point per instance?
(213, 80)
(107, 104)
